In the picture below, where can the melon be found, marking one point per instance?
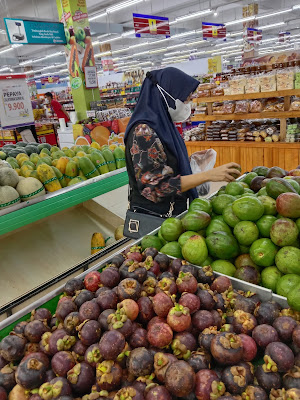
(8, 197)
(4, 164)
(8, 177)
(29, 188)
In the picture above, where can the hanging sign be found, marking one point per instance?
(284, 37)
(15, 103)
(50, 79)
(150, 25)
(34, 32)
(91, 79)
(254, 35)
(213, 31)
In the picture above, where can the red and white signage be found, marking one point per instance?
(213, 31)
(284, 37)
(254, 35)
(150, 25)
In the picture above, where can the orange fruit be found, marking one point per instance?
(81, 140)
(100, 134)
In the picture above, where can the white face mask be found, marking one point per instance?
(181, 112)
(46, 101)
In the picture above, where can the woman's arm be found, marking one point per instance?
(219, 174)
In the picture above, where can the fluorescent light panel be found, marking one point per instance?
(194, 15)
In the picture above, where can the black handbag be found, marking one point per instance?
(138, 223)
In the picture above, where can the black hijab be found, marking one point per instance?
(151, 109)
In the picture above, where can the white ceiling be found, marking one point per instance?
(121, 21)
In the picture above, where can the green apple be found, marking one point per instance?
(80, 34)
(67, 33)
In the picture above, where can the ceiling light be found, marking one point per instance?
(216, 13)
(233, 34)
(239, 21)
(122, 5)
(194, 15)
(274, 13)
(92, 18)
(4, 69)
(296, 7)
(272, 25)
(128, 33)
(6, 50)
(179, 35)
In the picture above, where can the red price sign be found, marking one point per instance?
(16, 106)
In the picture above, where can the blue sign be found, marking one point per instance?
(34, 32)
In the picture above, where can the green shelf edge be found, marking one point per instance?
(35, 212)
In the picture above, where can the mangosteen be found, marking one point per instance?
(103, 318)
(249, 347)
(83, 296)
(248, 273)
(55, 389)
(186, 282)
(49, 375)
(81, 378)
(292, 378)
(3, 362)
(191, 301)
(92, 281)
(296, 336)
(19, 328)
(92, 355)
(243, 322)
(202, 319)
(150, 252)
(117, 260)
(151, 266)
(264, 334)
(183, 344)
(128, 393)
(200, 359)
(158, 393)
(146, 312)
(32, 348)
(107, 299)
(101, 290)
(253, 392)
(31, 372)
(219, 318)
(89, 310)
(206, 337)
(12, 347)
(206, 297)
(43, 314)
(110, 277)
(227, 348)
(179, 318)
(34, 331)
(71, 322)
(111, 344)
(58, 341)
(73, 285)
(129, 289)
(89, 332)
(285, 327)
(133, 270)
(162, 304)
(293, 394)
(206, 275)
(243, 303)
(166, 274)
(163, 261)
(129, 308)
(267, 312)
(139, 338)
(235, 379)
(175, 266)
(159, 334)
(121, 323)
(167, 285)
(220, 302)
(278, 357)
(140, 362)
(267, 380)
(7, 377)
(180, 379)
(221, 284)
(3, 394)
(78, 350)
(208, 385)
(188, 268)
(62, 362)
(64, 308)
(161, 364)
(108, 375)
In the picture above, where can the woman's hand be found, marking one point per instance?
(224, 173)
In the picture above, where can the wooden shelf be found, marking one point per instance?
(238, 117)
(249, 96)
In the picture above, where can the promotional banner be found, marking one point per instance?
(254, 35)
(50, 79)
(284, 37)
(15, 103)
(34, 32)
(214, 65)
(150, 25)
(213, 31)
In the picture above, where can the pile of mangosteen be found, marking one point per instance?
(153, 328)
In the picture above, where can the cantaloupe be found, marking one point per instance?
(8, 177)
(29, 188)
(8, 197)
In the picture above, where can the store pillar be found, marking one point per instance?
(79, 52)
(107, 61)
(250, 46)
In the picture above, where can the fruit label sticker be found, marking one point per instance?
(15, 105)
(76, 83)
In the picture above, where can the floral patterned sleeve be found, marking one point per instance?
(155, 179)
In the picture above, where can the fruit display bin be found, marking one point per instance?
(33, 210)
(50, 300)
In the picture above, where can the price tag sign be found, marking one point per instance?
(91, 79)
(15, 104)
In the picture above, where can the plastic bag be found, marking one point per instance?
(203, 161)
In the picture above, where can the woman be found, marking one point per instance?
(160, 176)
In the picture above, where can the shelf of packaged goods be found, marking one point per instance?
(238, 117)
(250, 154)
(28, 212)
(249, 96)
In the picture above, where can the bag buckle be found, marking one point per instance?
(133, 226)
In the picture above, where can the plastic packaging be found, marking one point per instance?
(217, 108)
(256, 106)
(237, 84)
(285, 79)
(203, 161)
(295, 104)
(252, 84)
(274, 104)
(228, 107)
(268, 82)
(218, 91)
(242, 107)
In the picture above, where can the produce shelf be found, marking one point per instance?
(238, 117)
(44, 206)
(249, 96)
